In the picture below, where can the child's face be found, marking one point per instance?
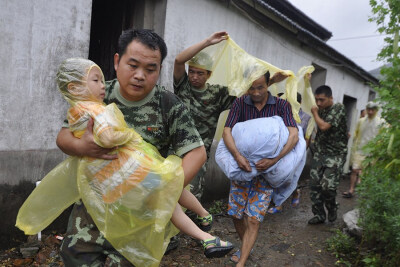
(95, 83)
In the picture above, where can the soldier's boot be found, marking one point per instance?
(317, 206)
(319, 214)
(331, 205)
(332, 214)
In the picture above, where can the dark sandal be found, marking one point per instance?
(347, 195)
(214, 249)
(202, 220)
(237, 254)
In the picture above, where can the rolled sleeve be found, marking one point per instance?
(335, 115)
(182, 84)
(234, 114)
(287, 115)
(184, 135)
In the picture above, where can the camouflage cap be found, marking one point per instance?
(201, 60)
(371, 104)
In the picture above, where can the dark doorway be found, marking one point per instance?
(109, 19)
(371, 95)
(350, 104)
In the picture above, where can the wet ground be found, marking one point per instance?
(284, 239)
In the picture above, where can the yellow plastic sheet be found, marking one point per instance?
(131, 199)
(233, 67)
(236, 69)
(308, 99)
(56, 192)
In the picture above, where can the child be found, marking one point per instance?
(132, 198)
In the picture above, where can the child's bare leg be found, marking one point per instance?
(213, 246)
(189, 201)
(186, 225)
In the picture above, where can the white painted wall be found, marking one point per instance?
(35, 37)
(190, 21)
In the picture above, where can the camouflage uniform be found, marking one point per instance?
(328, 160)
(162, 120)
(205, 106)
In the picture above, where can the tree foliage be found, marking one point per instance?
(379, 192)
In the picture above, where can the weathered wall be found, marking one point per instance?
(184, 27)
(190, 21)
(35, 36)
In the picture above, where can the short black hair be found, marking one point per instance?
(145, 36)
(267, 75)
(324, 89)
(299, 97)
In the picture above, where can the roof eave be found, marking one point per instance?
(268, 16)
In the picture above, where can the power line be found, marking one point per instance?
(357, 37)
(363, 56)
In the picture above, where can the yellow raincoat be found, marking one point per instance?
(131, 199)
(233, 67)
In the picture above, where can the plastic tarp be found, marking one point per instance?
(235, 68)
(131, 199)
(264, 138)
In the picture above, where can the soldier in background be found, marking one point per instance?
(329, 155)
(204, 101)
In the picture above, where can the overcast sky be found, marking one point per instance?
(347, 19)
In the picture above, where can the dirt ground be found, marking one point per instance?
(284, 239)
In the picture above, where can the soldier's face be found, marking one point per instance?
(323, 101)
(137, 70)
(258, 90)
(198, 77)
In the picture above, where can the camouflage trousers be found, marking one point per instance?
(198, 182)
(84, 245)
(325, 174)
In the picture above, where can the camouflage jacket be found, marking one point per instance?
(204, 105)
(160, 118)
(334, 140)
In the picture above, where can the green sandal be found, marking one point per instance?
(214, 249)
(200, 221)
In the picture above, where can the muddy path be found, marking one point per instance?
(284, 239)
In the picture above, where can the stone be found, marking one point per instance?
(351, 219)
(29, 252)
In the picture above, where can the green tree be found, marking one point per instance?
(379, 192)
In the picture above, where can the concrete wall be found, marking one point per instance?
(184, 27)
(190, 21)
(35, 36)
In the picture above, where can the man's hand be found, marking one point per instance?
(314, 109)
(217, 37)
(84, 146)
(91, 149)
(191, 51)
(278, 77)
(321, 124)
(243, 163)
(264, 164)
